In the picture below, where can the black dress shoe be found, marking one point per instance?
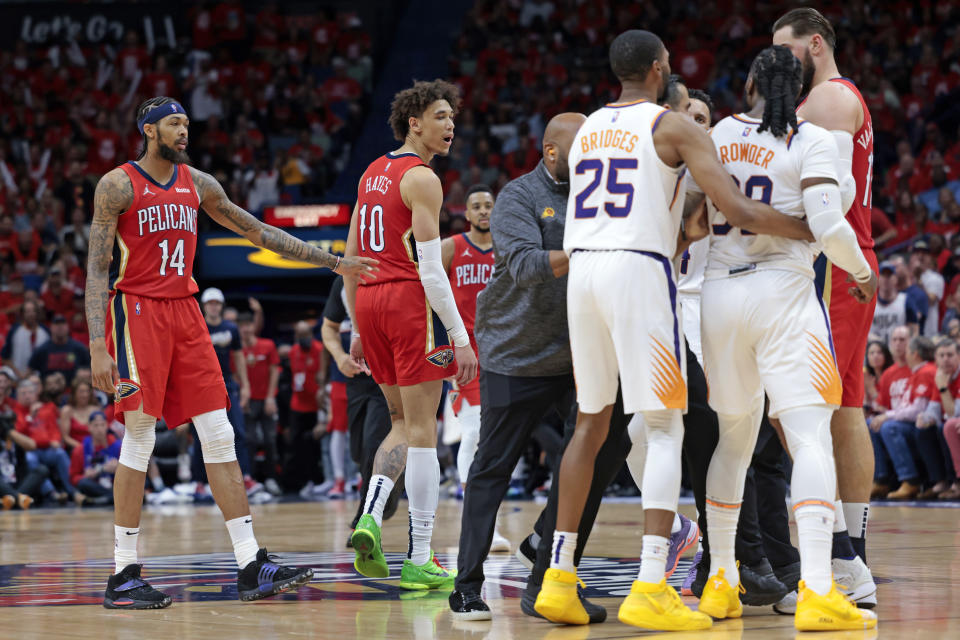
(596, 612)
(468, 605)
(761, 586)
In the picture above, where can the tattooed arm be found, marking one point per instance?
(216, 203)
(113, 196)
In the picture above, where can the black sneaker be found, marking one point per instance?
(761, 586)
(263, 578)
(127, 590)
(789, 575)
(468, 605)
(527, 553)
(700, 581)
(597, 613)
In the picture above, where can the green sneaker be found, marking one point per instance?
(431, 575)
(366, 543)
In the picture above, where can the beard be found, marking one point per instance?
(482, 229)
(808, 70)
(562, 169)
(170, 154)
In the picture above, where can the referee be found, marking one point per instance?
(367, 413)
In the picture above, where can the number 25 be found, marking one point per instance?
(613, 187)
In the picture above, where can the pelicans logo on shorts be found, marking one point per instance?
(125, 389)
(441, 356)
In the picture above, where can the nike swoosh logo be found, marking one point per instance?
(131, 533)
(248, 521)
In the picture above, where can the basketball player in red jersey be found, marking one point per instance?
(468, 262)
(149, 345)
(403, 323)
(834, 103)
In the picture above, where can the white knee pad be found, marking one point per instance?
(728, 466)
(216, 436)
(138, 440)
(661, 474)
(637, 458)
(807, 432)
(469, 439)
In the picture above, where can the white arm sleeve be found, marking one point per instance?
(844, 164)
(822, 205)
(436, 285)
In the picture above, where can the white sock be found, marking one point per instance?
(423, 495)
(124, 546)
(377, 493)
(677, 525)
(815, 534)
(338, 448)
(856, 515)
(245, 545)
(722, 526)
(564, 545)
(839, 522)
(653, 559)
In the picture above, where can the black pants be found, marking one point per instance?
(369, 423)
(610, 459)
(513, 407)
(262, 432)
(301, 462)
(29, 484)
(93, 489)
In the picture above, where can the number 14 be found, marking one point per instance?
(176, 260)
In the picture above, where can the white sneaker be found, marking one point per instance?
(261, 497)
(499, 543)
(307, 492)
(183, 467)
(322, 489)
(787, 606)
(271, 485)
(856, 581)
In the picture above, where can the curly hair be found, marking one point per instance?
(413, 102)
(778, 76)
(145, 106)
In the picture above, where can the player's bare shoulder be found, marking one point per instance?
(833, 106)
(420, 184)
(114, 194)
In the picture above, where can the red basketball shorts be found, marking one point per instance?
(850, 325)
(165, 357)
(471, 391)
(404, 341)
(338, 407)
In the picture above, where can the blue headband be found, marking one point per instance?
(159, 113)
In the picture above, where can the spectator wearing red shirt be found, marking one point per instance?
(38, 421)
(94, 463)
(263, 371)
(340, 87)
(133, 57)
(307, 368)
(936, 450)
(897, 426)
(104, 145)
(57, 298)
(27, 251)
(160, 81)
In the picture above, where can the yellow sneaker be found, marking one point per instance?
(719, 599)
(830, 612)
(558, 601)
(658, 607)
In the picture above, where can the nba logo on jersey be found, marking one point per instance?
(746, 132)
(138, 308)
(441, 356)
(616, 116)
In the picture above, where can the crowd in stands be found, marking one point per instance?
(277, 99)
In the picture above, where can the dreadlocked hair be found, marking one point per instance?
(778, 76)
(145, 106)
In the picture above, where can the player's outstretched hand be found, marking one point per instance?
(356, 354)
(104, 370)
(365, 268)
(466, 364)
(864, 291)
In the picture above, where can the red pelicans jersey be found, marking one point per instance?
(157, 236)
(859, 214)
(384, 225)
(470, 270)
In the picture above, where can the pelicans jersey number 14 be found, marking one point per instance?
(623, 218)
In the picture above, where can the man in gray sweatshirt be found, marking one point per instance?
(521, 330)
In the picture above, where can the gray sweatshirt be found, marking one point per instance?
(521, 323)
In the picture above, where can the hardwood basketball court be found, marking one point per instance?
(54, 565)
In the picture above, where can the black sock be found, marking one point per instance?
(842, 546)
(860, 546)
